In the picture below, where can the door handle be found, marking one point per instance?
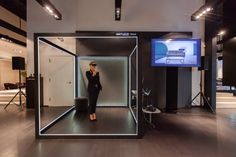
(69, 82)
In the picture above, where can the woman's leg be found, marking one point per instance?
(90, 105)
(95, 103)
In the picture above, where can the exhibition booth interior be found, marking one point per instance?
(138, 71)
(61, 63)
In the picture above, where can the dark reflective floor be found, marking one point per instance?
(190, 133)
(109, 121)
(48, 114)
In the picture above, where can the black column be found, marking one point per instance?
(211, 30)
(210, 74)
(171, 89)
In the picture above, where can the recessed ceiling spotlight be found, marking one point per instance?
(117, 10)
(204, 12)
(61, 39)
(56, 16)
(222, 32)
(208, 9)
(47, 7)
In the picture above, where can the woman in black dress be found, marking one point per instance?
(94, 87)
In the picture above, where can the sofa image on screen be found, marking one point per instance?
(160, 50)
(165, 55)
(173, 55)
(176, 52)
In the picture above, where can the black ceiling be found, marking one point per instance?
(17, 7)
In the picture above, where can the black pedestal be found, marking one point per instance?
(30, 92)
(81, 104)
(171, 90)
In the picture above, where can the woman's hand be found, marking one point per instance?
(94, 73)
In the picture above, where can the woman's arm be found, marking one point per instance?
(89, 75)
(99, 81)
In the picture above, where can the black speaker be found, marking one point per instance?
(204, 63)
(18, 63)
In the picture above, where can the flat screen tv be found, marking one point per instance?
(176, 52)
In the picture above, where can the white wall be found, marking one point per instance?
(219, 71)
(137, 15)
(115, 85)
(7, 75)
(140, 15)
(38, 21)
(54, 65)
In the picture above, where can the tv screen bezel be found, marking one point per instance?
(198, 40)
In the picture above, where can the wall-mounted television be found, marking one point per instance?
(176, 52)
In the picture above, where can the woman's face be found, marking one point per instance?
(92, 67)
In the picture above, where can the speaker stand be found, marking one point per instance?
(20, 93)
(202, 96)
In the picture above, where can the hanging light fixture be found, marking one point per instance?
(50, 9)
(201, 12)
(118, 10)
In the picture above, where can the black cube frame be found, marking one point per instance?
(38, 133)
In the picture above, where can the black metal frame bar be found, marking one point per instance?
(56, 120)
(51, 124)
(56, 46)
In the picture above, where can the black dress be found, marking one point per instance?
(94, 87)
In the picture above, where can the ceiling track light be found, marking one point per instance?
(8, 39)
(221, 33)
(118, 10)
(204, 10)
(50, 9)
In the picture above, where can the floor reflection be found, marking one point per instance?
(48, 114)
(190, 133)
(109, 121)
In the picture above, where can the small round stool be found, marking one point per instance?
(157, 111)
(81, 104)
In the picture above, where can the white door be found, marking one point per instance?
(61, 81)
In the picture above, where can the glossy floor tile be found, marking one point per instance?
(189, 133)
(109, 121)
